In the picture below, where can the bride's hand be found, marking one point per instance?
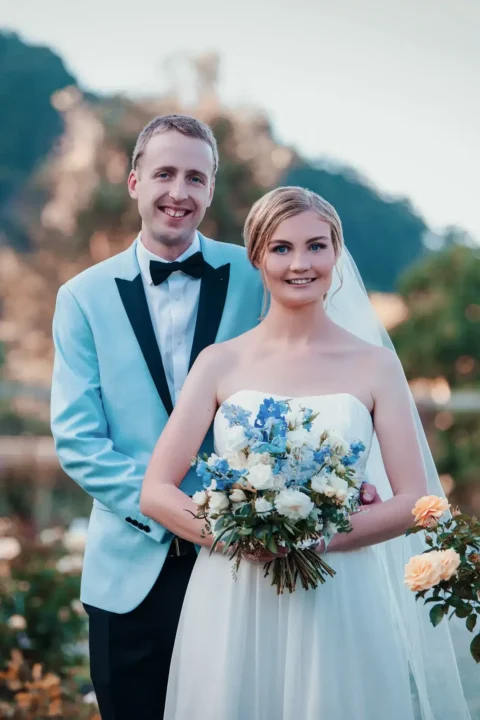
(320, 547)
(265, 556)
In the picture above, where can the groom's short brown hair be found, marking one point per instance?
(189, 126)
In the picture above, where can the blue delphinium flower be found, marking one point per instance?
(204, 472)
(352, 457)
(274, 445)
(271, 408)
(236, 415)
(308, 419)
(322, 455)
(357, 447)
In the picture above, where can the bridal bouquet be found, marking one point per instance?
(448, 573)
(279, 487)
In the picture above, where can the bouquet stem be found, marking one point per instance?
(308, 565)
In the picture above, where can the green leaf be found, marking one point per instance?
(471, 622)
(272, 545)
(431, 599)
(475, 648)
(436, 614)
(456, 602)
(462, 612)
(414, 530)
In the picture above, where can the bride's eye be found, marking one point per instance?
(280, 249)
(317, 246)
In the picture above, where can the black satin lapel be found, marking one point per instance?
(135, 303)
(213, 293)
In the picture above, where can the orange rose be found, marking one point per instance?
(422, 572)
(429, 509)
(448, 560)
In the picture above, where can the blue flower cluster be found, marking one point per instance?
(356, 448)
(220, 471)
(269, 434)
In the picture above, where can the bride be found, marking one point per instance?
(358, 647)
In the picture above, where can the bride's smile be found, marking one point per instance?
(298, 260)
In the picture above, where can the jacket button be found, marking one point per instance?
(146, 528)
(128, 519)
(135, 522)
(141, 526)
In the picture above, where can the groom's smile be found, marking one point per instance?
(173, 185)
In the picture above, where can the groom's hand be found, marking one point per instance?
(369, 495)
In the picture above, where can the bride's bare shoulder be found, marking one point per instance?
(376, 359)
(222, 356)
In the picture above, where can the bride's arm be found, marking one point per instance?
(402, 457)
(161, 499)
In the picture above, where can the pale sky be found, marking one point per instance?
(391, 88)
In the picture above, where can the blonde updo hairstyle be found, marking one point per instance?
(279, 205)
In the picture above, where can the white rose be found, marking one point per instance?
(261, 477)
(279, 481)
(299, 437)
(340, 469)
(236, 440)
(218, 501)
(236, 460)
(258, 459)
(337, 442)
(319, 483)
(293, 504)
(340, 486)
(17, 622)
(237, 495)
(262, 506)
(212, 460)
(200, 498)
(9, 548)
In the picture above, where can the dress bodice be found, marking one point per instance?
(342, 413)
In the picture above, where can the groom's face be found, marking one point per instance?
(173, 184)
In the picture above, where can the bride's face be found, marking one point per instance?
(299, 260)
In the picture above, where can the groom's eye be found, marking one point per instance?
(280, 249)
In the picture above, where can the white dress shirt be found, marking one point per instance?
(173, 308)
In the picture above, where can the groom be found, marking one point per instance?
(126, 332)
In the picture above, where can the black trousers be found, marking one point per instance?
(130, 653)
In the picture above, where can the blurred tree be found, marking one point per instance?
(441, 336)
(458, 452)
(384, 235)
(28, 131)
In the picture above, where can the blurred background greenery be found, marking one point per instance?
(64, 159)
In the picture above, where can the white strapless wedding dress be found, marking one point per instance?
(244, 653)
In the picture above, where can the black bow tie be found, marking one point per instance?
(193, 266)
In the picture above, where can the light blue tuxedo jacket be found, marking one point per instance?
(110, 403)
